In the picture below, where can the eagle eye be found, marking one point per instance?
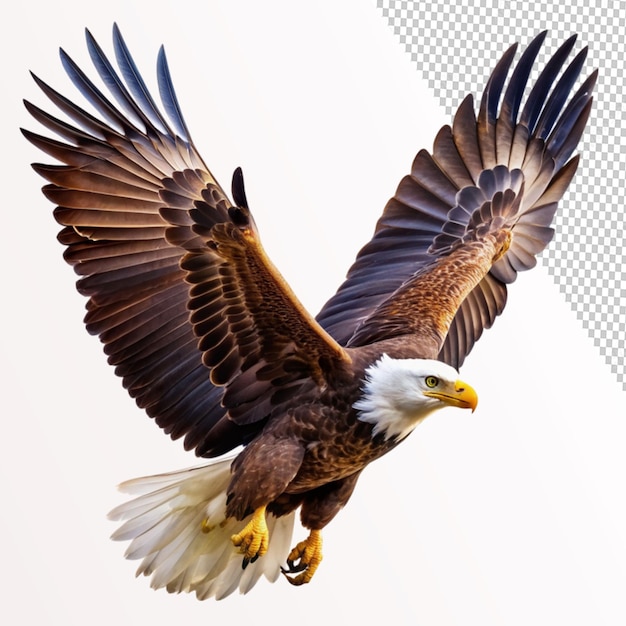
(431, 381)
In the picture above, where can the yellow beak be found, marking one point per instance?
(463, 396)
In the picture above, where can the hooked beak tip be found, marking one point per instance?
(467, 396)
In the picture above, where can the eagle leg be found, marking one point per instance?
(253, 540)
(309, 555)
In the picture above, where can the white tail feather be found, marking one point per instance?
(164, 524)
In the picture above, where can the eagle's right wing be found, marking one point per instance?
(194, 317)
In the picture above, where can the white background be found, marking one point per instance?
(512, 515)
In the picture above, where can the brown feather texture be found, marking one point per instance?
(504, 160)
(212, 342)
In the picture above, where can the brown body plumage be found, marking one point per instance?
(211, 341)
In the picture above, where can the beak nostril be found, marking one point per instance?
(461, 389)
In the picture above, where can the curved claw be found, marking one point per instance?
(253, 540)
(309, 555)
(293, 568)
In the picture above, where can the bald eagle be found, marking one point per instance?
(210, 340)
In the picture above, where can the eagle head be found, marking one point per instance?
(397, 394)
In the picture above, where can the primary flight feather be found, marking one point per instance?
(211, 341)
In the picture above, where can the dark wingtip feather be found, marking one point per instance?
(536, 98)
(168, 96)
(570, 141)
(554, 105)
(515, 90)
(564, 136)
(136, 84)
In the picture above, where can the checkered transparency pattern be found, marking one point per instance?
(455, 44)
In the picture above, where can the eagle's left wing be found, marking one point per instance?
(509, 155)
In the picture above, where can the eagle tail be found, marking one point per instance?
(176, 525)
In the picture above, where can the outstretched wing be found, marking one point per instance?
(509, 161)
(180, 291)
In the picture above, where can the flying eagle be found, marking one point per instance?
(211, 341)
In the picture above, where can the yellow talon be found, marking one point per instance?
(253, 540)
(309, 553)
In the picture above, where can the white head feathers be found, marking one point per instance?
(399, 393)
